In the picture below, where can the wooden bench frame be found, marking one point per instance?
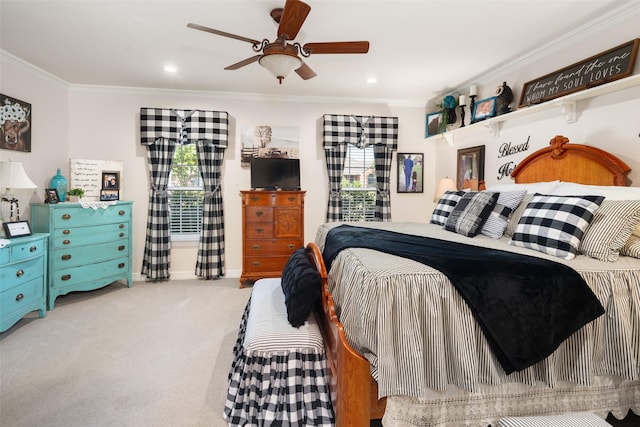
(354, 393)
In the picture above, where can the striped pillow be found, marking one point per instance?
(471, 212)
(571, 419)
(632, 247)
(610, 229)
(498, 219)
(555, 224)
(447, 202)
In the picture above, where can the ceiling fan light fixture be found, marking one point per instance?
(280, 65)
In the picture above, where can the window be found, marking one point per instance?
(359, 185)
(186, 194)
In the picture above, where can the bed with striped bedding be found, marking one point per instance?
(433, 363)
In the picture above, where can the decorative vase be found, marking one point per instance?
(59, 182)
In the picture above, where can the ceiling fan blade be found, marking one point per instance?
(222, 33)
(293, 16)
(243, 63)
(305, 72)
(337, 47)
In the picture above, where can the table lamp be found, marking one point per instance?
(12, 177)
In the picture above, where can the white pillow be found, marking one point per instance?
(609, 192)
(534, 187)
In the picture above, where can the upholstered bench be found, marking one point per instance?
(573, 419)
(278, 372)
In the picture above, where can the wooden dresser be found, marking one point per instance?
(23, 269)
(272, 228)
(89, 247)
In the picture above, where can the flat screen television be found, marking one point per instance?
(275, 174)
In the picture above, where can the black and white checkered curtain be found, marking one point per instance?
(361, 131)
(160, 130)
(156, 260)
(210, 262)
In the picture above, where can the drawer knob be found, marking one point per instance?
(121, 213)
(33, 248)
(255, 247)
(66, 277)
(121, 265)
(66, 216)
(256, 263)
(121, 226)
(291, 246)
(291, 198)
(259, 213)
(66, 242)
(19, 297)
(121, 248)
(65, 257)
(259, 230)
(20, 273)
(121, 234)
(66, 231)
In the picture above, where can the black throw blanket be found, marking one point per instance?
(526, 306)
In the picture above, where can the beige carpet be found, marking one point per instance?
(156, 354)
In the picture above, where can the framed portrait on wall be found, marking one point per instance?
(410, 174)
(470, 168)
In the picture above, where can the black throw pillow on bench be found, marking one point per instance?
(302, 287)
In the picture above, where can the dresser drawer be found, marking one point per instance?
(24, 295)
(21, 272)
(272, 247)
(258, 230)
(77, 216)
(79, 236)
(4, 256)
(258, 213)
(72, 276)
(288, 199)
(73, 256)
(264, 264)
(26, 250)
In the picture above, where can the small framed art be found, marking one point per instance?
(484, 108)
(110, 180)
(410, 176)
(108, 195)
(433, 124)
(470, 168)
(16, 228)
(51, 196)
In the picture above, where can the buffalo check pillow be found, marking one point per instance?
(555, 224)
(445, 206)
(498, 219)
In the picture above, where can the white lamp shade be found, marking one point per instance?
(280, 65)
(13, 176)
(445, 184)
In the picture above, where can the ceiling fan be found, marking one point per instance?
(281, 57)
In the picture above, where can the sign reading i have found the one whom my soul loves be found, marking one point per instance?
(613, 64)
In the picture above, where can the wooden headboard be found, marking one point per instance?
(578, 163)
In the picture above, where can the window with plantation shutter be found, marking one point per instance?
(358, 193)
(185, 191)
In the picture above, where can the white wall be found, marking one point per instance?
(103, 123)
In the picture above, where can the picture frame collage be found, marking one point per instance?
(110, 186)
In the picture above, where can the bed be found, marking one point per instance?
(415, 355)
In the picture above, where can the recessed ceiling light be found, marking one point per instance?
(170, 68)
(372, 80)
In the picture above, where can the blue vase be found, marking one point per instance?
(59, 182)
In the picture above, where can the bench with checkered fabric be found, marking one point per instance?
(573, 419)
(278, 372)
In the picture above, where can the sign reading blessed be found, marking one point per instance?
(610, 65)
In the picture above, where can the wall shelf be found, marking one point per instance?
(566, 105)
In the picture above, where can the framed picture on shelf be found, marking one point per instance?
(483, 109)
(470, 168)
(110, 180)
(51, 196)
(433, 124)
(109, 195)
(410, 175)
(16, 228)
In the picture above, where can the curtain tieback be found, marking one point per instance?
(158, 192)
(383, 193)
(334, 193)
(210, 194)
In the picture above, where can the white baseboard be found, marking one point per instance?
(188, 275)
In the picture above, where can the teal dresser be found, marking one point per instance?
(88, 248)
(22, 279)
